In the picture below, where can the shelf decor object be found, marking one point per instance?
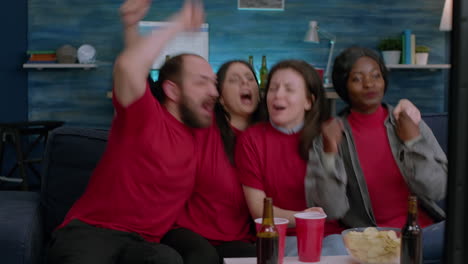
(313, 36)
(422, 54)
(66, 54)
(266, 5)
(390, 48)
(86, 54)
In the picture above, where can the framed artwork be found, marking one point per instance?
(274, 5)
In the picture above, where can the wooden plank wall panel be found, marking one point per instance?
(78, 97)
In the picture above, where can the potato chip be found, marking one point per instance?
(373, 246)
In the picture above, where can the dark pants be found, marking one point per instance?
(196, 249)
(80, 243)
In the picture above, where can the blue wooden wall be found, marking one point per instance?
(78, 96)
(14, 88)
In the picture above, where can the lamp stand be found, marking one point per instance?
(326, 77)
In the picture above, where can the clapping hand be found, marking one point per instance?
(404, 105)
(406, 128)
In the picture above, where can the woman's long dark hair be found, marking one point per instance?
(320, 111)
(223, 118)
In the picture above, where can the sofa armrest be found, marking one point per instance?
(21, 227)
(69, 160)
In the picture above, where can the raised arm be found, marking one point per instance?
(326, 180)
(424, 160)
(132, 12)
(133, 64)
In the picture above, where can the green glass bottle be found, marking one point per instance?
(263, 76)
(251, 61)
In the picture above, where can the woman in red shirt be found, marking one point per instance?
(373, 157)
(215, 222)
(271, 156)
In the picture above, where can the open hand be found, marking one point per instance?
(406, 128)
(133, 11)
(191, 16)
(332, 133)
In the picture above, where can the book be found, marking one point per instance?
(407, 46)
(403, 57)
(30, 52)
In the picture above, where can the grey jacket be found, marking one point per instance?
(338, 184)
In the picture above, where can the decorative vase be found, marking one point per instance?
(391, 56)
(421, 58)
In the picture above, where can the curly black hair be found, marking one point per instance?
(345, 61)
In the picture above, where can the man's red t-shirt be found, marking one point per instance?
(145, 175)
(387, 188)
(217, 209)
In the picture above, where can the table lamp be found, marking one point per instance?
(446, 20)
(312, 36)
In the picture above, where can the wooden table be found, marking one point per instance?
(295, 260)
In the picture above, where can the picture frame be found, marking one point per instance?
(267, 5)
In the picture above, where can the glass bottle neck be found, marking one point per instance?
(268, 212)
(412, 209)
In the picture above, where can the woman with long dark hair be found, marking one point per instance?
(215, 222)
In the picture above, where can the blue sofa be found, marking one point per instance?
(27, 219)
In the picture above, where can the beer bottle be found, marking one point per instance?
(267, 236)
(251, 60)
(263, 76)
(411, 235)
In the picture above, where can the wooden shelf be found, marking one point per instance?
(329, 93)
(419, 67)
(41, 66)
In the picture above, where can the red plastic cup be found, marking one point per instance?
(309, 229)
(282, 226)
(320, 72)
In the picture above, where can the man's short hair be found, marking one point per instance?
(171, 70)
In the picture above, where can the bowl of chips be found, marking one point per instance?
(373, 245)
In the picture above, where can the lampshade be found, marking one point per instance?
(312, 34)
(446, 20)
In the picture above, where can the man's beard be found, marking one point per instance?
(189, 115)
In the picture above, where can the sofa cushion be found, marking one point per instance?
(439, 126)
(70, 157)
(21, 227)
